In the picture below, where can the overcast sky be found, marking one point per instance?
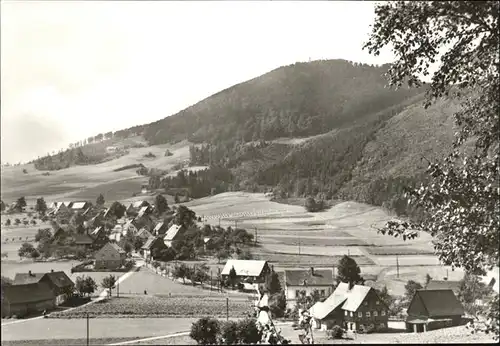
(75, 69)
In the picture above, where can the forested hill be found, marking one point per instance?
(326, 128)
(302, 99)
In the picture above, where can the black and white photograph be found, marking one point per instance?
(249, 172)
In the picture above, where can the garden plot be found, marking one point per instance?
(153, 306)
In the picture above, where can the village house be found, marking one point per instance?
(354, 308)
(434, 309)
(130, 226)
(99, 236)
(60, 284)
(145, 211)
(135, 207)
(175, 232)
(153, 243)
(25, 299)
(144, 234)
(161, 228)
(84, 241)
(308, 280)
(251, 271)
(59, 209)
(110, 256)
(80, 206)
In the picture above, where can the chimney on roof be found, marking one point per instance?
(52, 270)
(351, 284)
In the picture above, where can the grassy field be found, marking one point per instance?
(98, 328)
(86, 182)
(289, 242)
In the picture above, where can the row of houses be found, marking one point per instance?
(354, 307)
(35, 292)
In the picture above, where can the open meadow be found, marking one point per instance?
(347, 228)
(87, 181)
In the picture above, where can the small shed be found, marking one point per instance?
(434, 309)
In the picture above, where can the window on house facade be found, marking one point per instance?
(360, 314)
(368, 314)
(346, 313)
(322, 292)
(382, 313)
(352, 314)
(375, 314)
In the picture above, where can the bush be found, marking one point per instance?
(248, 332)
(335, 333)
(150, 154)
(229, 333)
(205, 331)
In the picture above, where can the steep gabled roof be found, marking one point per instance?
(113, 246)
(27, 278)
(144, 231)
(322, 309)
(138, 204)
(159, 226)
(147, 245)
(355, 297)
(244, 267)
(60, 279)
(79, 205)
(439, 302)
(83, 239)
(27, 293)
(172, 232)
(297, 277)
(97, 230)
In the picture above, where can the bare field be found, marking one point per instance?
(315, 250)
(398, 250)
(321, 242)
(304, 234)
(287, 260)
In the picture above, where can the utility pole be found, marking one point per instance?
(211, 281)
(118, 289)
(299, 248)
(227, 308)
(255, 236)
(397, 265)
(87, 329)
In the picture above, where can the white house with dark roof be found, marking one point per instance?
(175, 232)
(309, 280)
(247, 270)
(354, 308)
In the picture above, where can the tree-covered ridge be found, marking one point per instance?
(302, 99)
